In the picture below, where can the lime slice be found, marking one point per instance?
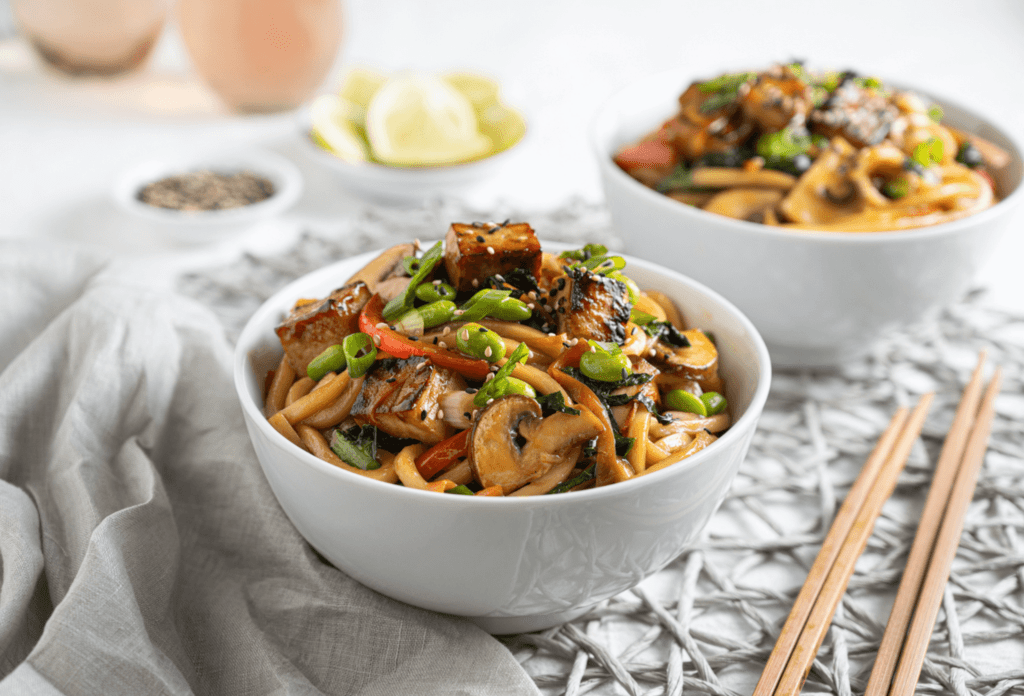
(503, 125)
(360, 85)
(421, 120)
(335, 127)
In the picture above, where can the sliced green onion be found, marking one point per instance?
(640, 318)
(726, 82)
(488, 391)
(460, 490)
(425, 317)
(714, 402)
(331, 360)
(682, 400)
(358, 364)
(588, 251)
(482, 304)
(631, 287)
(928, 153)
(896, 188)
(403, 302)
(783, 145)
(936, 113)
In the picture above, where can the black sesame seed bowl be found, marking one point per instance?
(818, 298)
(207, 197)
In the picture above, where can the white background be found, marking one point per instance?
(63, 141)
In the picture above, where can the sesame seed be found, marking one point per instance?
(435, 340)
(475, 283)
(382, 325)
(464, 335)
(423, 415)
(437, 282)
(652, 352)
(480, 238)
(376, 341)
(488, 352)
(490, 401)
(490, 250)
(447, 329)
(625, 373)
(458, 313)
(442, 344)
(472, 390)
(389, 380)
(489, 377)
(440, 413)
(466, 414)
(482, 329)
(531, 305)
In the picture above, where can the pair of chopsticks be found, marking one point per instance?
(920, 593)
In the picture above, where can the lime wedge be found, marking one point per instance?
(421, 120)
(481, 91)
(334, 126)
(360, 85)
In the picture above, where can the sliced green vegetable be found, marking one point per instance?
(785, 144)
(403, 302)
(555, 403)
(433, 292)
(640, 318)
(460, 490)
(581, 478)
(929, 153)
(714, 402)
(726, 82)
(492, 387)
(682, 400)
(936, 113)
(588, 251)
(480, 342)
(482, 304)
(360, 454)
(896, 188)
(632, 289)
(681, 179)
(331, 360)
(360, 352)
(425, 317)
(605, 362)
(969, 156)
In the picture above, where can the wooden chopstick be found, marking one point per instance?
(826, 556)
(924, 540)
(920, 632)
(839, 574)
(846, 517)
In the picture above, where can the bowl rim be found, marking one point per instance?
(285, 176)
(254, 413)
(603, 154)
(304, 123)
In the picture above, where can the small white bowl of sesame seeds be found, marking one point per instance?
(206, 197)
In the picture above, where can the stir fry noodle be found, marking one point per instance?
(824, 151)
(485, 366)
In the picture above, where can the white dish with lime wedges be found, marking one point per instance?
(410, 136)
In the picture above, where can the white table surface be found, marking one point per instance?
(63, 141)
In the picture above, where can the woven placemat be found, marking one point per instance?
(708, 621)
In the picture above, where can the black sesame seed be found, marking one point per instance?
(389, 380)
(423, 414)
(480, 238)
(465, 414)
(412, 338)
(625, 373)
(482, 329)
(435, 340)
(472, 390)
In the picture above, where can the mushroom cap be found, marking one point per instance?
(511, 444)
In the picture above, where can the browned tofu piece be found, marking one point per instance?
(698, 362)
(472, 254)
(316, 325)
(401, 397)
(593, 306)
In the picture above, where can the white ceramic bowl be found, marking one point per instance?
(508, 564)
(204, 226)
(405, 185)
(818, 298)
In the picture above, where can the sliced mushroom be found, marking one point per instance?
(511, 444)
(383, 266)
(807, 202)
(744, 203)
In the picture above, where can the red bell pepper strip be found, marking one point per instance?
(652, 153)
(371, 321)
(442, 454)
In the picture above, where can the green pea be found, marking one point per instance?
(511, 309)
(682, 400)
(331, 360)
(476, 341)
(714, 402)
(433, 292)
(358, 364)
(605, 365)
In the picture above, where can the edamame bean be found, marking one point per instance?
(682, 400)
(433, 292)
(605, 365)
(714, 402)
(331, 360)
(511, 309)
(353, 345)
(478, 342)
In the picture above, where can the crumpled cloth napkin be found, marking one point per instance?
(141, 549)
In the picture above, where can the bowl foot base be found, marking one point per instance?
(504, 625)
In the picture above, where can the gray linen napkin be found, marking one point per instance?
(141, 548)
